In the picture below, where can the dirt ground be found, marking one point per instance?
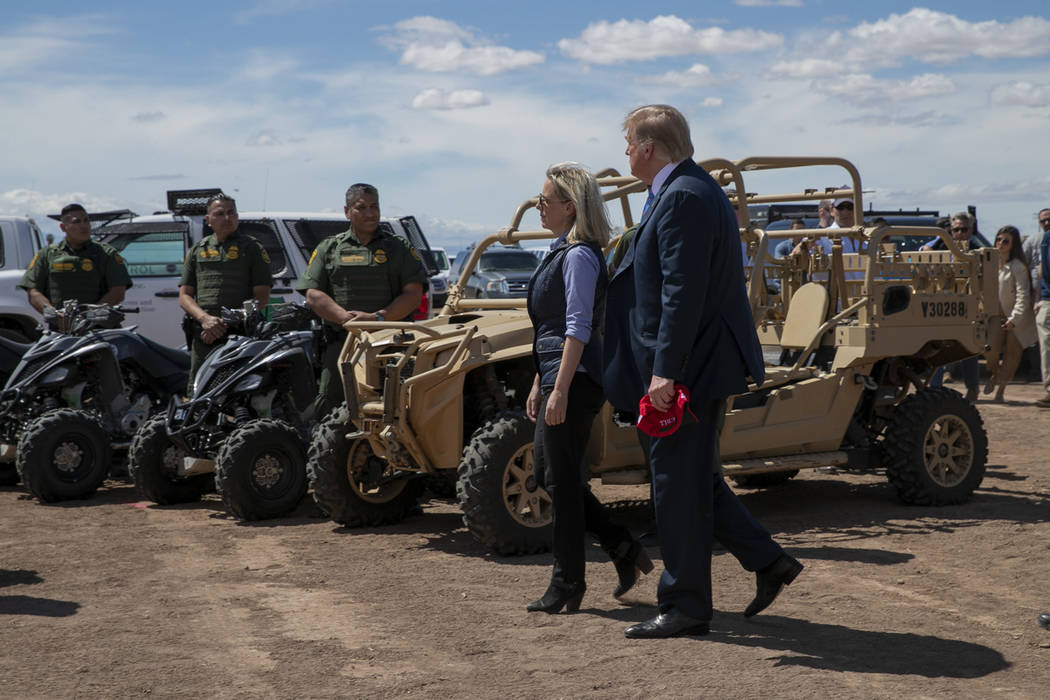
(115, 597)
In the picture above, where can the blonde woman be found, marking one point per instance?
(1018, 327)
(566, 303)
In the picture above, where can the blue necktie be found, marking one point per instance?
(648, 203)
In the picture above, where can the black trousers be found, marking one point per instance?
(560, 464)
(694, 507)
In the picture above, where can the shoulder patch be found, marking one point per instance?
(266, 256)
(118, 258)
(312, 256)
(415, 253)
(33, 261)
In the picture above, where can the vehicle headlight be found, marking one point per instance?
(499, 286)
(56, 376)
(250, 382)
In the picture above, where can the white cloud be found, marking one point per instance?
(864, 89)
(697, 75)
(25, 202)
(434, 98)
(40, 41)
(264, 138)
(940, 38)
(667, 35)
(769, 3)
(711, 102)
(439, 46)
(266, 65)
(1021, 93)
(807, 68)
(274, 8)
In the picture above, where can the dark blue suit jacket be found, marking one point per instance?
(677, 306)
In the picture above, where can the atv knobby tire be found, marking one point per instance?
(761, 481)
(260, 470)
(153, 462)
(63, 454)
(503, 506)
(340, 471)
(935, 449)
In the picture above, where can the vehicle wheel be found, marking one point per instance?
(935, 448)
(260, 471)
(761, 481)
(153, 462)
(503, 506)
(347, 478)
(63, 454)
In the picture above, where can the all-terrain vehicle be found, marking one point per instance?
(851, 340)
(81, 393)
(248, 421)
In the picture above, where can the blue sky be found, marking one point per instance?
(455, 108)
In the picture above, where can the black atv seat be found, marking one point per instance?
(14, 346)
(178, 358)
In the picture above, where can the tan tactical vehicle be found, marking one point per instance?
(443, 397)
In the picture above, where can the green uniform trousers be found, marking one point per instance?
(330, 389)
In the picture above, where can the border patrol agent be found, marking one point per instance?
(362, 274)
(226, 268)
(77, 268)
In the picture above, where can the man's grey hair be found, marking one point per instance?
(964, 216)
(358, 189)
(663, 125)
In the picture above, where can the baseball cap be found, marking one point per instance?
(656, 423)
(842, 200)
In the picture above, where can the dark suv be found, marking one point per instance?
(501, 273)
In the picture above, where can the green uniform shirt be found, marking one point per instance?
(362, 277)
(223, 274)
(60, 273)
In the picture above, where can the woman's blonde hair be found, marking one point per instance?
(573, 182)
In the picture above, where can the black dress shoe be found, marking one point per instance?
(1044, 621)
(558, 597)
(630, 559)
(770, 580)
(669, 624)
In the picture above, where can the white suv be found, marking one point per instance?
(155, 246)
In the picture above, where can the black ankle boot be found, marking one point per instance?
(629, 559)
(558, 597)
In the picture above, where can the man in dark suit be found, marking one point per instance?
(678, 313)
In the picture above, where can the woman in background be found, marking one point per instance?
(1018, 327)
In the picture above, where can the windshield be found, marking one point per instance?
(148, 249)
(519, 261)
(440, 258)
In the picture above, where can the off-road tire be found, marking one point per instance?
(502, 505)
(328, 469)
(260, 471)
(64, 454)
(153, 461)
(935, 448)
(762, 481)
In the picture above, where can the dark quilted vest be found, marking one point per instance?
(546, 305)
